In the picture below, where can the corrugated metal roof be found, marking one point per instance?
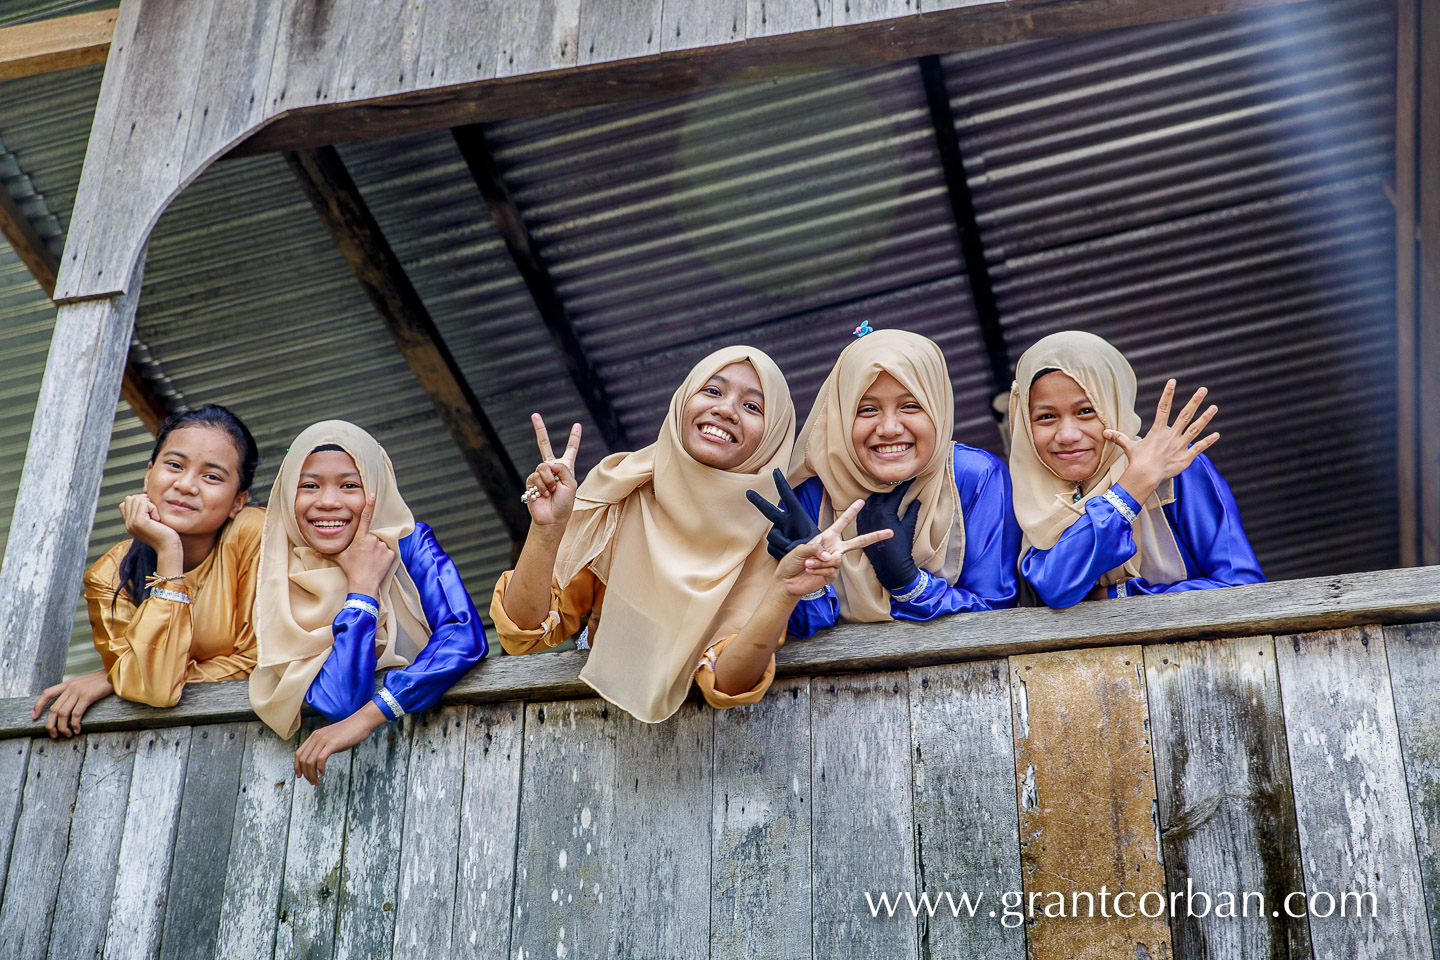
(1208, 194)
(1205, 193)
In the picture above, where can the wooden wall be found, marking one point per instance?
(1270, 764)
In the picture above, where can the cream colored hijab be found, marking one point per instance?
(299, 592)
(825, 449)
(679, 535)
(1045, 502)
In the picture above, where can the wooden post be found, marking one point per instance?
(55, 506)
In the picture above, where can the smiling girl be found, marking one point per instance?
(350, 583)
(880, 431)
(662, 539)
(1107, 513)
(172, 605)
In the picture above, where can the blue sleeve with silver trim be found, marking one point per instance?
(457, 637)
(992, 540)
(347, 677)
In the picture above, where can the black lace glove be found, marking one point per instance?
(894, 567)
(792, 526)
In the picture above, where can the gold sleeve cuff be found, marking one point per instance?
(705, 679)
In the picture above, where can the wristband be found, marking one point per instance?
(921, 583)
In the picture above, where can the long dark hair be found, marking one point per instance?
(140, 560)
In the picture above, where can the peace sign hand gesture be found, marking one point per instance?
(790, 524)
(1168, 448)
(367, 559)
(815, 563)
(550, 489)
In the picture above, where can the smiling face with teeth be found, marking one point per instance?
(894, 437)
(329, 500)
(725, 420)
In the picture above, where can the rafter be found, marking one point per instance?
(962, 208)
(56, 44)
(471, 141)
(355, 231)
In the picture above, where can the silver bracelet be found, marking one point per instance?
(1118, 502)
(914, 591)
(355, 603)
(390, 701)
(1121, 590)
(816, 594)
(164, 594)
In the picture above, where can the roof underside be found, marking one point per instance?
(1207, 194)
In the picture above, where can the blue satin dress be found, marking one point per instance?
(457, 641)
(992, 541)
(1206, 523)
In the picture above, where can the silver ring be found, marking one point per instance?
(531, 494)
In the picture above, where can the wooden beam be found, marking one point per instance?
(337, 200)
(55, 505)
(59, 43)
(1291, 606)
(471, 141)
(1407, 372)
(759, 58)
(962, 208)
(43, 266)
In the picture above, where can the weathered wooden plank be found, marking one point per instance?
(565, 852)
(426, 903)
(861, 821)
(760, 828)
(770, 18)
(618, 29)
(1350, 795)
(544, 35)
(868, 11)
(157, 782)
(1086, 783)
(256, 866)
(13, 758)
(965, 808)
(42, 833)
(60, 43)
(87, 879)
(452, 50)
(374, 837)
(1414, 657)
(384, 56)
(1227, 813)
(1384, 596)
(485, 887)
(661, 873)
(230, 94)
(202, 842)
(28, 245)
(309, 47)
(686, 26)
(312, 860)
(55, 505)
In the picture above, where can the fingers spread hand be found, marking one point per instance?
(844, 520)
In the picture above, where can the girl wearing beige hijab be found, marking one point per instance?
(662, 539)
(1105, 512)
(880, 433)
(350, 583)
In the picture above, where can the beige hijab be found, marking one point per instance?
(1045, 503)
(299, 592)
(825, 449)
(676, 535)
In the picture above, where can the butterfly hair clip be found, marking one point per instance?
(864, 328)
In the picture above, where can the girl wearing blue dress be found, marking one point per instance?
(1106, 512)
(350, 583)
(880, 432)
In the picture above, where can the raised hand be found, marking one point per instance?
(791, 525)
(142, 521)
(815, 563)
(553, 480)
(891, 559)
(367, 559)
(1168, 448)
